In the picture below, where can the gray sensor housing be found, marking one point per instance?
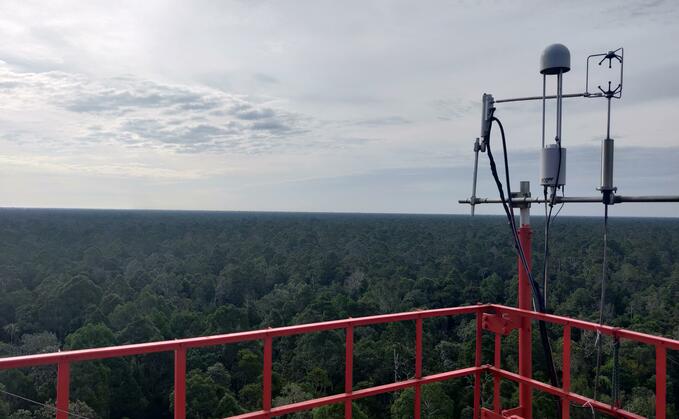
(549, 165)
(555, 59)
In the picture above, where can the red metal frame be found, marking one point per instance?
(63, 360)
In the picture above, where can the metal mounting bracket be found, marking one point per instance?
(502, 324)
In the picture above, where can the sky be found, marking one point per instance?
(339, 106)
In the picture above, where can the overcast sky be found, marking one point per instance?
(366, 106)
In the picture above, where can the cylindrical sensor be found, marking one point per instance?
(606, 165)
(553, 172)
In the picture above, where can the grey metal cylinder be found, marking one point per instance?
(549, 166)
(607, 164)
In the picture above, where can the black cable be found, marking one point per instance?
(548, 220)
(49, 406)
(553, 221)
(506, 160)
(537, 295)
(601, 302)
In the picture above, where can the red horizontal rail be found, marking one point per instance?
(180, 346)
(585, 325)
(360, 394)
(238, 337)
(556, 391)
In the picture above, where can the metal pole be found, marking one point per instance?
(544, 106)
(477, 363)
(180, 383)
(497, 398)
(529, 98)
(349, 370)
(477, 147)
(608, 119)
(566, 372)
(660, 382)
(418, 368)
(559, 101)
(266, 381)
(607, 150)
(525, 335)
(63, 384)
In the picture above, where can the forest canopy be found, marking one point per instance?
(73, 279)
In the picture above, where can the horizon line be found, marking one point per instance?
(282, 212)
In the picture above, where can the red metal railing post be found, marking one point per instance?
(497, 402)
(349, 370)
(63, 384)
(418, 367)
(266, 386)
(180, 383)
(566, 372)
(660, 382)
(525, 335)
(477, 363)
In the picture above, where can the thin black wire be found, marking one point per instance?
(56, 409)
(548, 221)
(537, 295)
(601, 302)
(506, 161)
(563, 194)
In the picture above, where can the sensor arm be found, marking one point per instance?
(568, 95)
(575, 199)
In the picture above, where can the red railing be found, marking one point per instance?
(500, 320)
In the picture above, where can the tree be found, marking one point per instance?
(436, 404)
(78, 407)
(336, 411)
(228, 406)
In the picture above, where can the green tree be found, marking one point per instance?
(436, 404)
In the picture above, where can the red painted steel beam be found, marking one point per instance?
(266, 374)
(585, 325)
(63, 384)
(360, 394)
(497, 400)
(477, 364)
(489, 414)
(198, 342)
(349, 370)
(418, 369)
(660, 382)
(556, 391)
(566, 372)
(180, 383)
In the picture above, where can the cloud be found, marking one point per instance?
(137, 112)
(448, 109)
(382, 121)
(56, 166)
(654, 10)
(123, 95)
(265, 78)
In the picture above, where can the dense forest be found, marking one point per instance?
(77, 279)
